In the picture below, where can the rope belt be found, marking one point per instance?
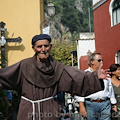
(36, 101)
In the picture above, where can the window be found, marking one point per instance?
(117, 57)
(114, 10)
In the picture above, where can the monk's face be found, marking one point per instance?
(42, 49)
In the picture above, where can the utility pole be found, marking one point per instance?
(89, 19)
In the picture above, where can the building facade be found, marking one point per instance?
(107, 30)
(85, 46)
(22, 18)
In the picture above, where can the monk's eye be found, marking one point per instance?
(40, 46)
(46, 46)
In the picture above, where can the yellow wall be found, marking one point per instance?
(22, 18)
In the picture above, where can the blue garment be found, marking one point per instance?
(61, 98)
(98, 111)
(9, 95)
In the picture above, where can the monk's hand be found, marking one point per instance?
(103, 74)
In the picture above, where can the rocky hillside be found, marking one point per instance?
(71, 18)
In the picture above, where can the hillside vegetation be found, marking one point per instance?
(74, 15)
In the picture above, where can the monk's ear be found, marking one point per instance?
(33, 48)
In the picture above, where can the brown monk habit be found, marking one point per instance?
(36, 81)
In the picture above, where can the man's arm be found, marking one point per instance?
(112, 97)
(10, 77)
(82, 109)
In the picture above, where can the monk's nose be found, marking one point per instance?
(43, 48)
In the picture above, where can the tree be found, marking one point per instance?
(4, 105)
(72, 18)
(61, 52)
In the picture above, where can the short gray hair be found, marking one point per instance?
(92, 58)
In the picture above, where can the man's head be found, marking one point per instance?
(41, 46)
(94, 61)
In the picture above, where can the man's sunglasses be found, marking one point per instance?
(99, 60)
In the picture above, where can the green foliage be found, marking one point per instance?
(86, 6)
(3, 105)
(3, 58)
(71, 17)
(61, 52)
(75, 36)
(15, 100)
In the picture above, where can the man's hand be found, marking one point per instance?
(103, 74)
(82, 110)
(114, 108)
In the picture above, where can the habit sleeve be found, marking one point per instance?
(78, 82)
(10, 77)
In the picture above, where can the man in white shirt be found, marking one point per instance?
(97, 106)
